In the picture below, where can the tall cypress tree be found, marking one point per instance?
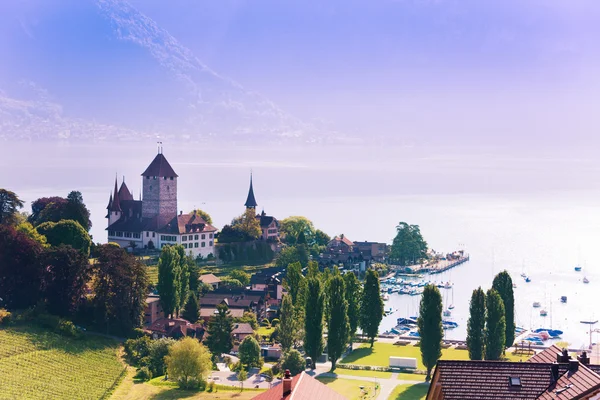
(476, 325)
(504, 286)
(313, 319)
(219, 339)
(338, 328)
(353, 295)
(430, 327)
(495, 326)
(169, 271)
(371, 308)
(184, 278)
(191, 312)
(287, 324)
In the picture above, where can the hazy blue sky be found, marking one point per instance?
(466, 70)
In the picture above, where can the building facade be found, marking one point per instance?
(152, 221)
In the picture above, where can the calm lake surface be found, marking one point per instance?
(538, 214)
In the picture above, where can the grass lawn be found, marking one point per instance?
(411, 377)
(409, 392)
(153, 274)
(361, 372)
(265, 331)
(38, 364)
(350, 389)
(380, 353)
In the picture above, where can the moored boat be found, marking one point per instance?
(578, 268)
(563, 299)
(543, 313)
(586, 280)
(536, 304)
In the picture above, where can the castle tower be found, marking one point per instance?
(114, 208)
(250, 200)
(159, 189)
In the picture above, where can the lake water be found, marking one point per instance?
(533, 212)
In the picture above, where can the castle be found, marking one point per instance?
(152, 221)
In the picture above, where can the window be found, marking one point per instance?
(203, 244)
(196, 244)
(153, 234)
(171, 178)
(203, 236)
(183, 238)
(210, 243)
(210, 236)
(164, 178)
(195, 237)
(128, 234)
(119, 234)
(147, 233)
(514, 381)
(111, 233)
(185, 245)
(137, 235)
(191, 237)
(154, 178)
(148, 177)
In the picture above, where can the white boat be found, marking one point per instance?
(586, 280)
(543, 313)
(536, 304)
(447, 313)
(385, 297)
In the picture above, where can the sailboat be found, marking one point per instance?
(586, 280)
(451, 306)
(578, 268)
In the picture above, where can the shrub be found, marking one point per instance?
(275, 322)
(211, 387)
(5, 316)
(143, 374)
(265, 322)
(293, 361)
(67, 328)
(236, 366)
(137, 349)
(276, 369)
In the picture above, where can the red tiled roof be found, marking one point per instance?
(209, 278)
(572, 385)
(159, 167)
(344, 239)
(115, 205)
(242, 329)
(548, 355)
(304, 387)
(124, 193)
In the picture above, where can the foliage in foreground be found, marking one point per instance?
(188, 363)
(430, 327)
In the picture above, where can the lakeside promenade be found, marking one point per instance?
(434, 267)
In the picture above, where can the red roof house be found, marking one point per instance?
(299, 387)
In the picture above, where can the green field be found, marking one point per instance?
(351, 389)
(153, 274)
(409, 392)
(363, 372)
(37, 364)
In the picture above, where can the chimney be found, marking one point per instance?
(180, 212)
(554, 372)
(573, 365)
(583, 358)
(563, 357)
(287, 382)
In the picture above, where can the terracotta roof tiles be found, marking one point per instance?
(304, 387)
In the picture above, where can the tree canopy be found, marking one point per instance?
(292, 227)
(476, 325)
(353, 296)
(55, 209)
(371, 307)
(321, 238)
(338, 327)
(241, 276)
(219, 339)
(292, 254)
(188, 363)
(430, 327)
(248, 224)
(495, 326)
(9, 207)
(408, 246)
(249, 352)
(313, 319)
(504, 286)
(67, 232)
(191, 312)
(169, 275)
(293, 361)
(205, 216)
(287, 324)
(28, 229)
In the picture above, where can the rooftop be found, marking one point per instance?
(209, 278)
(160, 167)
(304, 387)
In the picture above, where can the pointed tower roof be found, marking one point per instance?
(159, 167)
(250, 201)
(109, 202)
(116, 204)
(124, 193)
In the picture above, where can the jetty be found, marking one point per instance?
(435, 267)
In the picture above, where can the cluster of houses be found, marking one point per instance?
(340, 249)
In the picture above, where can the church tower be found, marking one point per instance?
(250, 200)
(159, 189)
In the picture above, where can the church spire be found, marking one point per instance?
(250, 201)
(116, 204)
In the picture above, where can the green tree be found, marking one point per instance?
(55, 209)
(408, 246)
(430, 327)
(504, 286)
(338, 327)
(204, 215)
(248, 224)
(291, 228)
(219, 339)
(28, 229)
(188, 363)
(250, 318)
(157, 351)
(287, 325)
(242, 375)
(353, 295)
(9, 207)
(495, 326)
(120, 289)
(67, 232)
(183, 279)
(371, 306)
(292, 254)
(241, 276)
(194, 283)
(169, 274)
(312, 270)
(249, 352)
(294, 282)
(476, 325)
(321, 238)
(313, 319)
(191, 312)
(293, 361)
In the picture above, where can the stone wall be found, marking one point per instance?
(159, 197)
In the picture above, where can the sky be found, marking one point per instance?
(512, 72)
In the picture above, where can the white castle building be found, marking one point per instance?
(152, 221)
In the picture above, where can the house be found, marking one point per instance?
(269, 225)
(339, 249)
(152, 221)
(174, 328)
(153, 309)
(371, 250)
(549, 375)
(299, 387)
(207, 312)
(271, 352)
(210, 279)
(269, 281)
(241, 330)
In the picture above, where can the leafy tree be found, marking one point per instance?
(321, 238)
(169, 274)
(184, 278)
(371, 306)
(188, 363)
(293, 361)
(294, 282)
(21, 271)
(55, 209)
(67, 232)
(39, 205)
(248, 224)
(312, 271)
(288, 323)
(66, 273)
(338, 327)
(137, 350)
(231, 235)
(495, 326)
(241, 276)
(430, 327)
(476, 325)
(9, 207)
(301, 239)
(119, 285)
(249, 352)
(219, 339)
(77, 210)
(191, 312)
(205, 216)
(194, 281)
(291, 228)
(313, 319)
(242, 375)
(353, 295)
(292, 254)
(28, 229)
(157, 351)
(250, 318)
(504, 286)
(408, 246)
(230, 282)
